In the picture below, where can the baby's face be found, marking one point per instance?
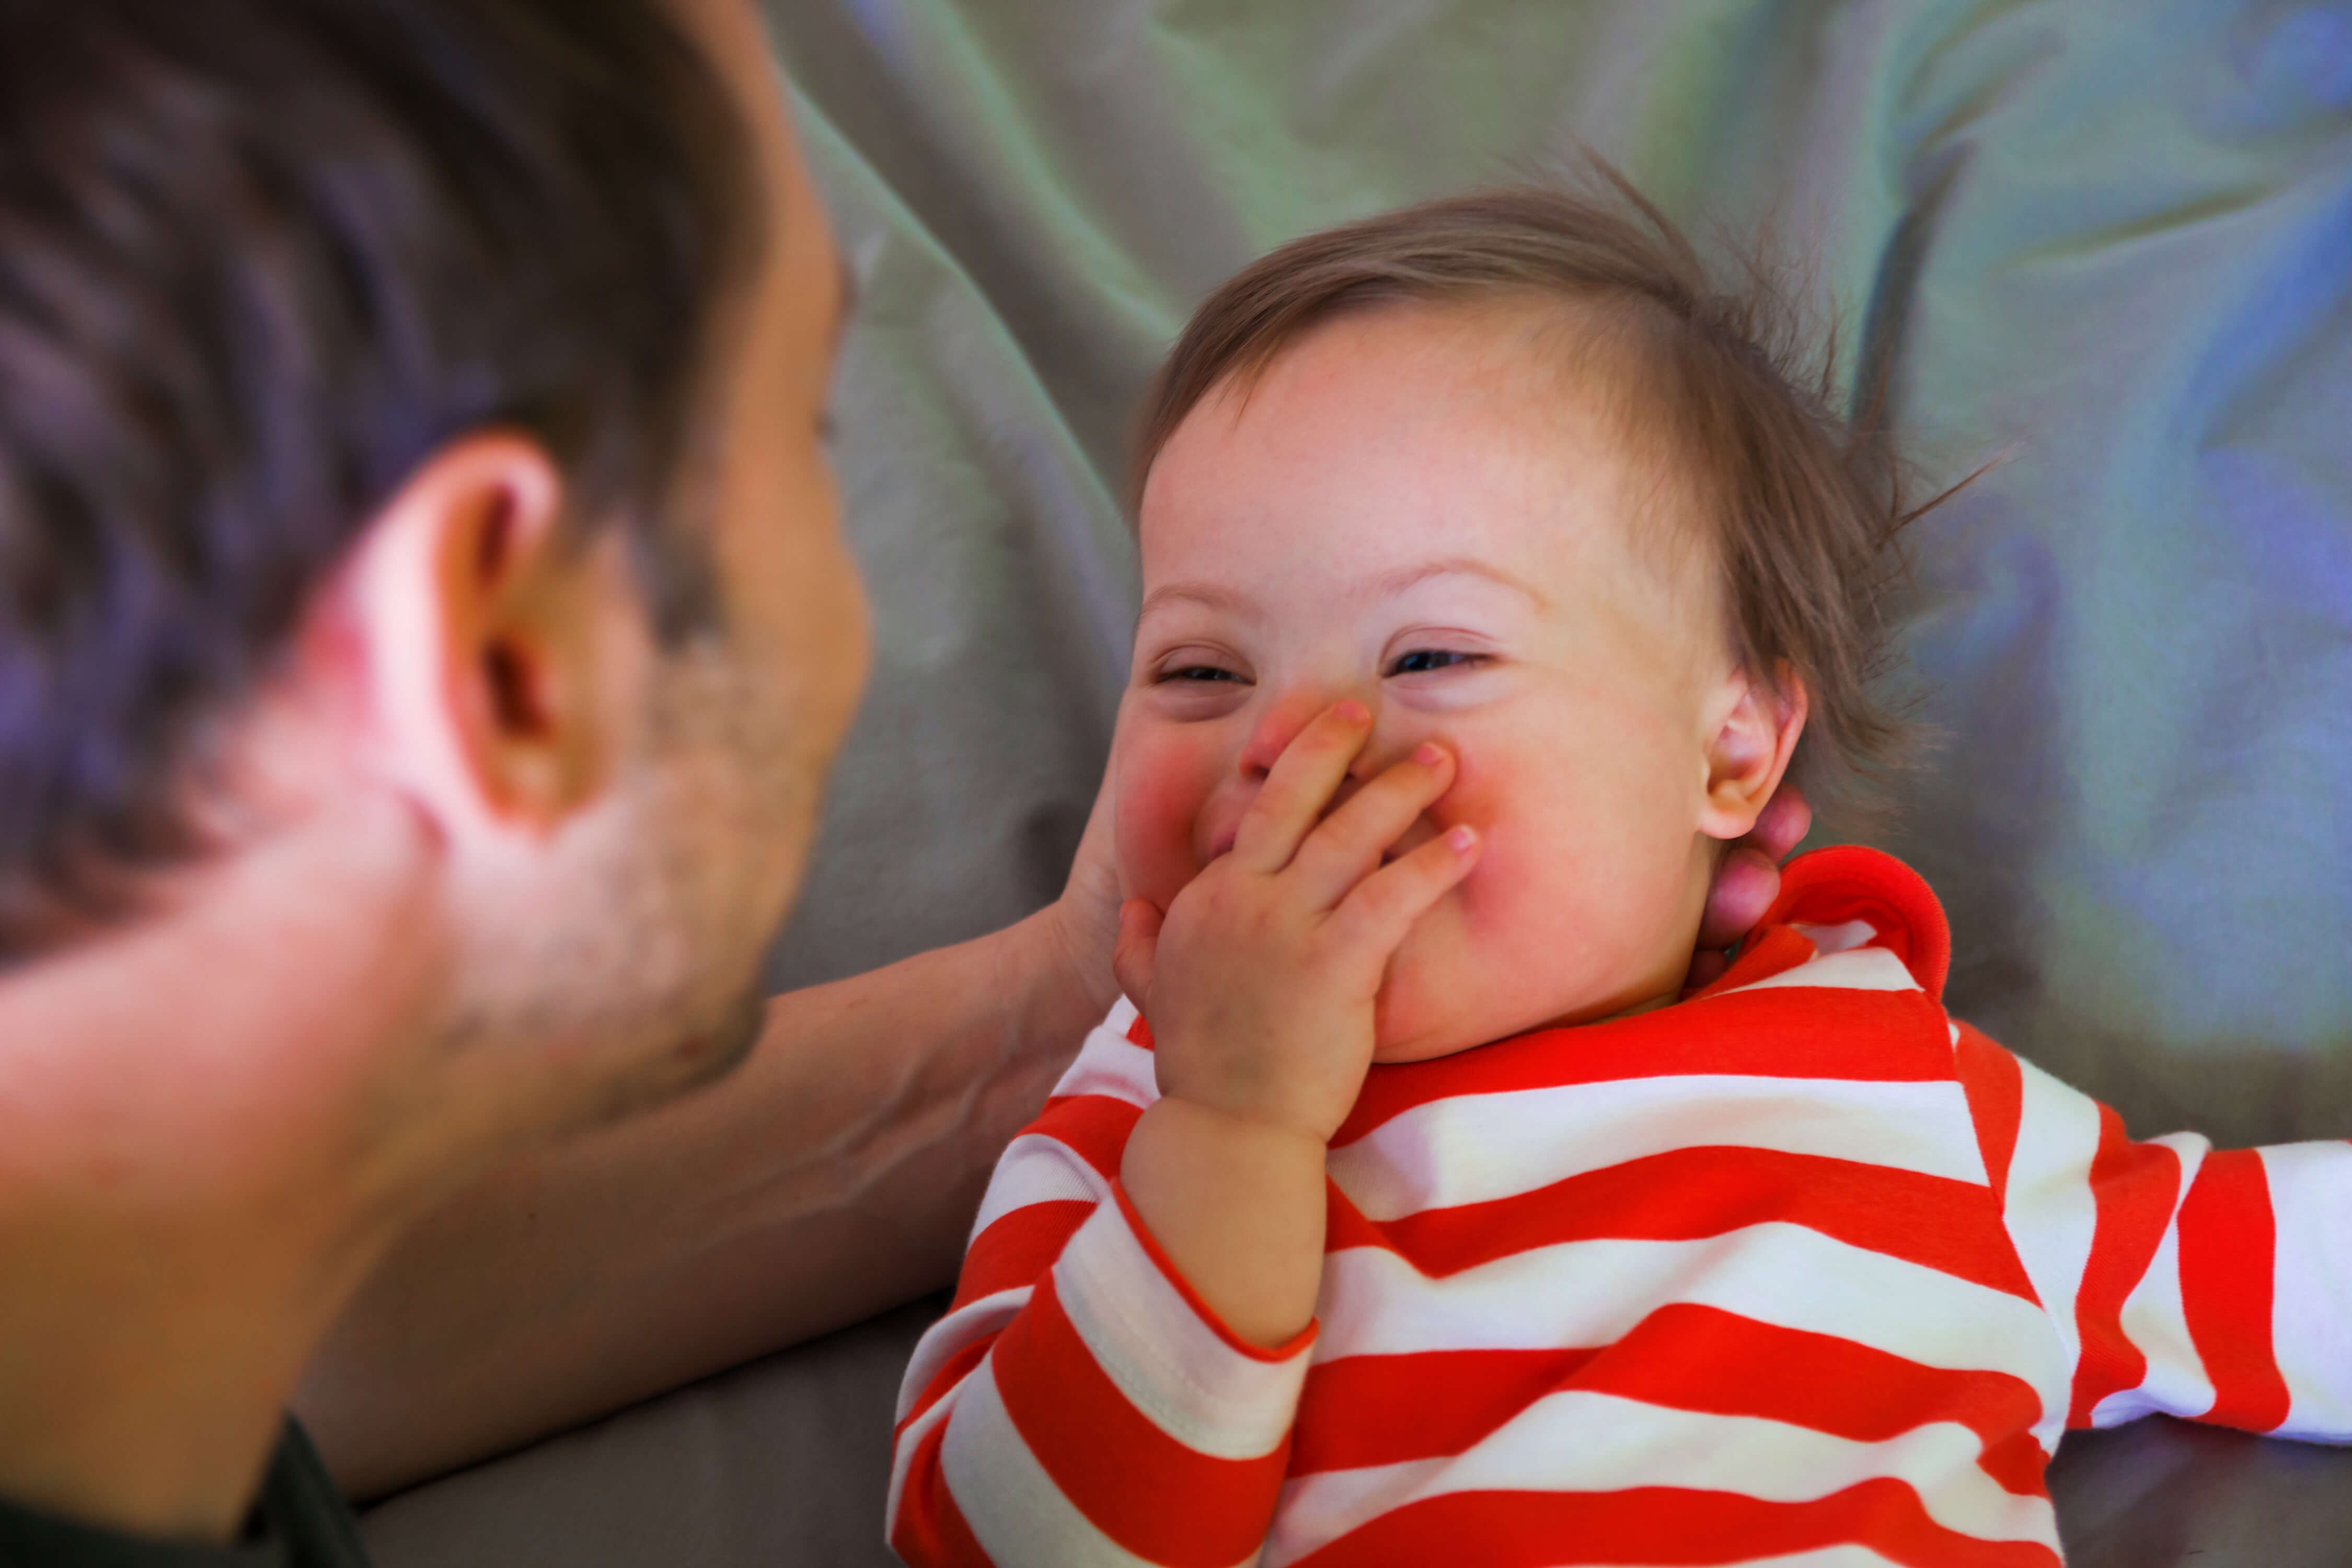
(1411, 509)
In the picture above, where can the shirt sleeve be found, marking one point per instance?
(1079, 1404)
(299, 1520)
(2214, 1285)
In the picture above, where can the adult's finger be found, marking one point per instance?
(1706, 967)
(1750, 878)
(1346, 846)
(1384, 905)
(1744, 886)
(1299, 785)
(1782, 825)
(1087, 914)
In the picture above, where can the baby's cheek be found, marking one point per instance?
(1480, 799)
(1161, 790)
(1534, 884)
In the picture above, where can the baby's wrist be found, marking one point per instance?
(1238, 1118)
(1237, 1207)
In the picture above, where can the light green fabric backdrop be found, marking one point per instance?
(2105, 242)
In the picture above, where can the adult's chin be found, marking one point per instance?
(688, 1062)
(714, 1053)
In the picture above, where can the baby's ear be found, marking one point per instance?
(1753, 731)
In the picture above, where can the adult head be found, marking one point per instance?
(424, 625)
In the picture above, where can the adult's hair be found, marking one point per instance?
(1800, 504)
(258, 259)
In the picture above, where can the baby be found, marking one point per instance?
(1496, 575)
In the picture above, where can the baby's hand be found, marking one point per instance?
(1259, 980)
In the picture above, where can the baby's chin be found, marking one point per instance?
(1419, 1022)
(1425, 1012)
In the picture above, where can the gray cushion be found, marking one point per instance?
(784, 1464)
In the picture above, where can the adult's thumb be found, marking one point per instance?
(1139, 942)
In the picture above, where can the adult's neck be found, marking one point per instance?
(202, 1128)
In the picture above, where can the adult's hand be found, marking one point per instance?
(1748, 881)
(1084, 919)
(834, 1175)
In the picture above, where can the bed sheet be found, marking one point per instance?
(2105, 243)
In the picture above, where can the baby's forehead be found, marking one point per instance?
(1494, 423)
(1743, 479)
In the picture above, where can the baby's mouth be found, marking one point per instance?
(1421, 831)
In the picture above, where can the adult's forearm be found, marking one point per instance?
(834, 1175)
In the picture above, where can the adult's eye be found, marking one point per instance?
(1422, 660)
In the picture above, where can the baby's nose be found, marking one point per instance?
(1282, 722)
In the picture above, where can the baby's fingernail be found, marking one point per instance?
(1430, 754)
(1461, 838)
(1355, 712)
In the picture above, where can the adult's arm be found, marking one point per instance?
(833, 1175)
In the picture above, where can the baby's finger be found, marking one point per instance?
(1299, 785)
(1382, 910)
(1346, 846)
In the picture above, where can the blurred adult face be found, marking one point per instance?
(628, 946)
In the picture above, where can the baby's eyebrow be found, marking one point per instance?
(1207, 594)
(1397, 582)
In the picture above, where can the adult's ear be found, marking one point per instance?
(499, 694)
(1753, 734)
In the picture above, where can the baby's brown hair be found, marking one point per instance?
(1805, 503)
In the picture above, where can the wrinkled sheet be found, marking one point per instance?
(2107, 242)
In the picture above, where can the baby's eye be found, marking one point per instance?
(1198, 672)
(1422, 660)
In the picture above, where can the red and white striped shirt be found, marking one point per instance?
(1795, 1271)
